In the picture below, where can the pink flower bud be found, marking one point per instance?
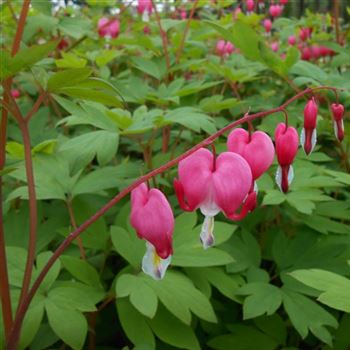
(274, 46)
(183, 14)
(214, 185)
(63, 44)
(283, 2)
(291, 40)
(308, 134)
(338, 123)
(267, 25)
(306, 54)
(153, 219)
(220, 48)
(229, 48)
(144, 5)
(275, 10)
(250, 5)
(108, 28)
(315, 52)
(15, 93)
(286, 141)
(305, 33)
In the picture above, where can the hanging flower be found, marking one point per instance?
(257, 149)
(144, 8)
(153, 219)
(308, 134)
(338, 123)
(286, 140)
(214, 185)
(108, 28)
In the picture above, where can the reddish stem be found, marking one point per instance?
(14, 337)
(187, 28)
(164, 38)
(4, 281)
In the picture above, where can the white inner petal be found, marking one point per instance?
(290, 174)
(313, 139)
(207, 232)
(335, 125)
(256, 188)
(302, 137)
(145, 16)
(278, 178)
(152, 264)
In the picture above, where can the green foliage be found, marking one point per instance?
(113, 111)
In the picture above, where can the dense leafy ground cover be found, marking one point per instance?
(105, 101)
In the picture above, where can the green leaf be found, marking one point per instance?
(24, 58)
(68, 324)
(243, 338)
(134, 324)
(68, 77)
(147, 66)
(142, 297)
(335, 287)
(306, 315)
(81, 270)
(262, 298)
(170, 330)
(128, 245)
(191, 118)
(103, 144)
(273, 197)
(179, 296)
(75, 27)
(53, 273)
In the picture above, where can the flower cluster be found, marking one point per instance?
(225, 183)
(224, 48)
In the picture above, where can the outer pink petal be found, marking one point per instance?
(154, 221)
(114, 28)
(195, 175)
(286, 140)
(259, 152)
(232, 180)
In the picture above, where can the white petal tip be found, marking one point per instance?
(207, 235)
(153, 265)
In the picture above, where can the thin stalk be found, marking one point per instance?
(187, 28)
(4, 281)
(13, 340)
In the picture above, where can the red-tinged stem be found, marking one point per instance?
(13, 340)
(35, 108)
(33, 213)
(336, 20)
(164, 38)
(4, 281)
(187, 28)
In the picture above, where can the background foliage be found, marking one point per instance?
(280, 279)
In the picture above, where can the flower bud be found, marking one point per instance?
(338, 123)
(286, 142)
(308, 134)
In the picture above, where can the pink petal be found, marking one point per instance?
(258, 152)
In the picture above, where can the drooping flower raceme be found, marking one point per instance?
(257, 149)
(286, 142)
(308, 136)
(338, 123)
(214, 185)
(153, 219)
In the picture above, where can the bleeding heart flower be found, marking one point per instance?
(220, 48)
(15, 93)
(267, 25)
(306, 54)
(214, 185)
(338, 123)
(275, 10)
(257, 149)
(308, 136)
(229, 48)
(286, 140)
(305, 33)
(274, 46)
(283, 2)
(250, 5)
(108, 27)
(183, 14)
(145, 8)
(153, 219)
(292, 40)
